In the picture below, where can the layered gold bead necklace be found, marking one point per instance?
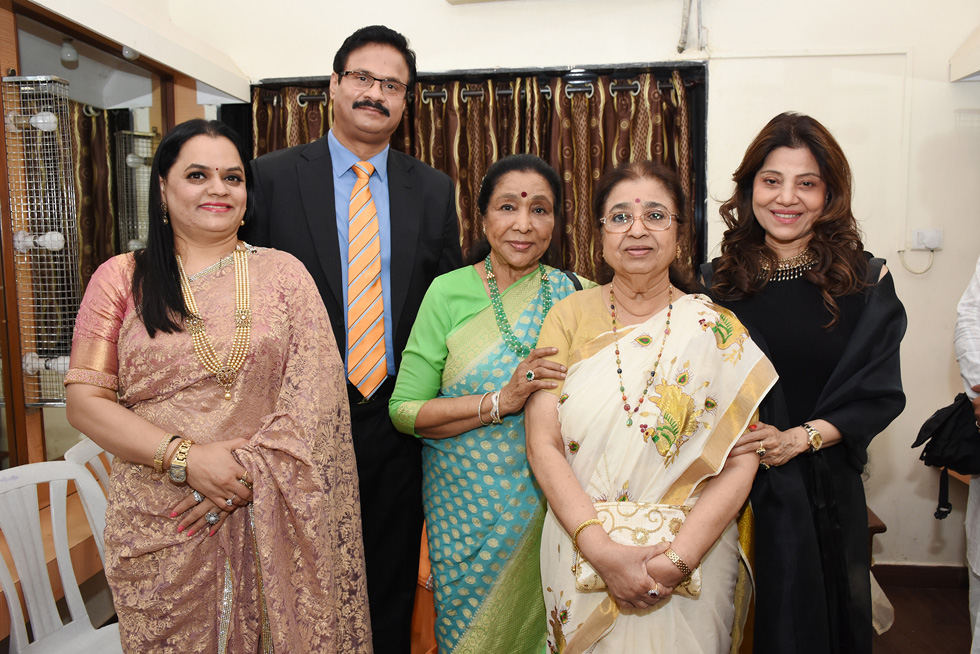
(225, 374)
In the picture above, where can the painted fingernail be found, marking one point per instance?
(180, 528)
(190, 533)
(213, 533)
(173, 514)
(753, 427)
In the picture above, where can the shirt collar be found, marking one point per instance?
(342, 159)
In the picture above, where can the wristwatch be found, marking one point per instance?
(814, 438)
(178, 467)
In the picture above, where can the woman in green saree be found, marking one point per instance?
(469, 366)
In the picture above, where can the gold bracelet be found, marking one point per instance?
(479, 409)
(162, 450)
(587, 523)
(679, 562)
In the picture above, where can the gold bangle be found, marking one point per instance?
(587, 523)
(479, 409)
(162, 450)
(679, 562)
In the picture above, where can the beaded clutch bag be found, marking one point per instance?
(639, 524)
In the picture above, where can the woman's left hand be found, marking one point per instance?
(773, 446)
(213, 470)
(543, 374)
(196, 518)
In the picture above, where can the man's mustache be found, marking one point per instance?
(374, 105)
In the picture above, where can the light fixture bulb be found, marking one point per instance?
(68, 52)
(129, 53)
(135, 161)
(44, 121)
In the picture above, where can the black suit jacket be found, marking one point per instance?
(294, 210)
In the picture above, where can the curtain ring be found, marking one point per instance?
(301, 100)
(569, 89)
(546, 92)
(91, 111)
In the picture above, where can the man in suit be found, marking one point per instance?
(310, 200)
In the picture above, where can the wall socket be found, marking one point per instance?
(927, 239)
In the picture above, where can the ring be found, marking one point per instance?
(198, 497)
(246, 484)
(212, 518)
(231, 501)
(529, 376)
(761, 451)
(766, 466)
(653, 592)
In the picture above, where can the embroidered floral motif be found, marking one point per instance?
(729, 333)
(710, 404)
(561, 400)
(643, 340)
(573, 446)
(624, 494)
(678, 416)
(559, 618)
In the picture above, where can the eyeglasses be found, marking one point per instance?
(390, 87)
(621, 221)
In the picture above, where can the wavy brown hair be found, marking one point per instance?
(637, 170)
(841, 266)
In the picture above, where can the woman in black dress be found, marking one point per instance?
(794, 270)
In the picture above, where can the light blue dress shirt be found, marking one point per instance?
(343, 185)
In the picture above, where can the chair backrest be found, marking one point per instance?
(21, 525)
(88, 454)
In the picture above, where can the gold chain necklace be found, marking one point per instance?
(791, 267)
(225, 374)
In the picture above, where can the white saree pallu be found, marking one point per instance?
(709, 383)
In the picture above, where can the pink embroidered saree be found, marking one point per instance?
(287, 573)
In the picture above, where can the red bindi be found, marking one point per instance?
(637, 200)
(523, 194)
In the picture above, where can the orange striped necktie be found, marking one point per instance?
(366, 364)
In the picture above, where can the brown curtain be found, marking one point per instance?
(92, 160)
(581, 127)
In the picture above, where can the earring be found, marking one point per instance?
(163, 208)
(678, 252)
(242, 224)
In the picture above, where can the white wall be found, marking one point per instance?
(874, 71)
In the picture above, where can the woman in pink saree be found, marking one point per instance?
(208, 368)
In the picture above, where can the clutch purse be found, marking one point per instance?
(639, 524)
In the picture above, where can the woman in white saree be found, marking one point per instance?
(660, 386)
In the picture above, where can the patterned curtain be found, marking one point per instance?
(579, 126)
(92, 160)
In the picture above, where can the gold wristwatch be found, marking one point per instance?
(178, 467)
(814, 438)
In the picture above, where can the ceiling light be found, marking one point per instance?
(130, 53)
(68, 52)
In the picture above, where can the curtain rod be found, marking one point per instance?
(587, 87)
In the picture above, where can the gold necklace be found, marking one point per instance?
(791, 267)
(225, 374)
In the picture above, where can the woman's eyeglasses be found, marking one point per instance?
(621, 221)
(390, 87)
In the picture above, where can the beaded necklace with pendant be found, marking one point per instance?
(656, 364)
(515, 345)
(224, 374)
(791, 267)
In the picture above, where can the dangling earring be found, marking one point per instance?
(678, 252)
(163, 208)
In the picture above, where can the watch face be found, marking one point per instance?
(178, 474)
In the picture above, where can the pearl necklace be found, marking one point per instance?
(225, 374)
(791, 267)
(656, 364)
(515, 345)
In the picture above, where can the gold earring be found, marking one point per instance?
(678, 252)
(242, 224)
(163, 208)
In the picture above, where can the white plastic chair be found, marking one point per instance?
(87, 453)
(21, 525)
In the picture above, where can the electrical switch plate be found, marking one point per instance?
(927, 239)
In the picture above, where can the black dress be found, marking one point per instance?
(812, 564)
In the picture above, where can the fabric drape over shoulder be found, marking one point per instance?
(708, 385)
(483, 507)
(286, 573)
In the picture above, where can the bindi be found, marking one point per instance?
(523, 194)
(637, 200)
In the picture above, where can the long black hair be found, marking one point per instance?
(156, 283)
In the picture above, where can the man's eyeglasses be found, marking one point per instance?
(390, 87)
(620, 221)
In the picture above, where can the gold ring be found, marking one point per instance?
(761, 451)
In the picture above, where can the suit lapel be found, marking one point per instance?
(315, 173)
(406, 214)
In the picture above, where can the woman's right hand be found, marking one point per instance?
(518, 389)
(214, 472)
(195, 519)
(624, 569)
